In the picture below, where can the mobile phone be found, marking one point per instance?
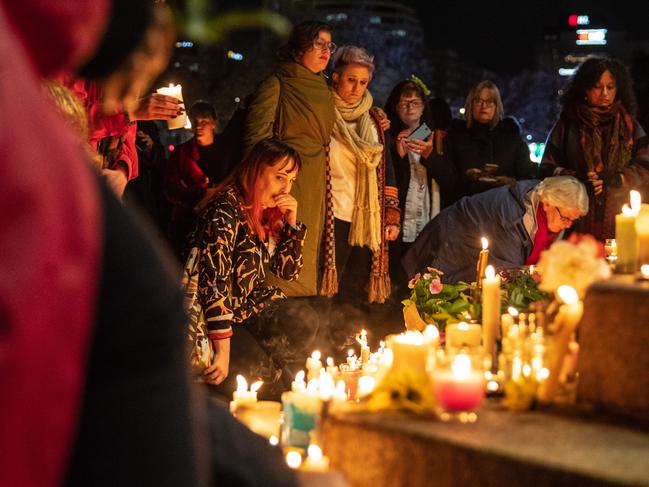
(420, 133)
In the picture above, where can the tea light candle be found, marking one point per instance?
(461, 388)
(175, 91)
(490, 310)
(315, 460)
(626, 237)
(244, 396)
(313, 365)
(463, 334)
(410, 350)
(483, 260)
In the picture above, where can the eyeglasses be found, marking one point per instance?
(564, 219)
(410, 104)
(484, 103)
(322, 45)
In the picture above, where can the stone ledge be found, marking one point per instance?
(500, 449)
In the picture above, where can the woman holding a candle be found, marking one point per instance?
(251, 224)
(598, 140)
(363, 188)
(520, 222)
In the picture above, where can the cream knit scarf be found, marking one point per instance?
(365, 227)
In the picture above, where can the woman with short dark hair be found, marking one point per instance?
(295, 105)
(598, 139)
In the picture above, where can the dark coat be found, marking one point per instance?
(451, 241)
(475, 146)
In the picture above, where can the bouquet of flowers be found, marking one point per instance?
(576, 262)
(438, 303)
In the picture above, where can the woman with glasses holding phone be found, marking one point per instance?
(295, 105)
(425, 184)
(486, 147)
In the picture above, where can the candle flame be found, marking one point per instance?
(626, 211)
(350, 353)
(490, 272)
(242, 384)
(366, 385)
(363, 334)
(644, 269)
(293, 459)
(314, 452)
(431, 333)
(316, 355)
(512, 311)
(461, 366)
(462, 326)
(299, 377)
(568, 294)
(330, 362)
(485, 243)
(256, 385)
(636, 201)
(326, 386)
(273, 440)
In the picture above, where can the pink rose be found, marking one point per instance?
(412, 281)
(435, 286)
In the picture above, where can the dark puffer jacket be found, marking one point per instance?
(451, 241)
(475, 146)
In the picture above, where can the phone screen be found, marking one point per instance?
(421, 133)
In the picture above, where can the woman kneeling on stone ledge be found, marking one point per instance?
(252, 224)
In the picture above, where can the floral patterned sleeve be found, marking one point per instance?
(286, 262)
(214, 281)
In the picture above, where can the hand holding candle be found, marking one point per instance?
(175, 91)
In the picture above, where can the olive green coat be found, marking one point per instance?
(303, 120)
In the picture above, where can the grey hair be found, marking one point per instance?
(347, 55)
(564, 192)
(475, 93)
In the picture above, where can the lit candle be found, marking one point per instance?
(566, 321)
(490, 310)
(313, 365)
(293, 459)
(365, 350)
(175, 91)
(315, 460)
(262, 417)
(642, 230)
(644, 272)
(366, 385)
(463, 334)
(626, 236)
(298, 384)
(244, 396)
(352, 360)
(483, 260)
(461, 388)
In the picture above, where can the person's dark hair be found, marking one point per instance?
(405, 87)
(440, 112)
(300, 40)
(129, 20)
(246, 177)
(202, 108)
(588, 74)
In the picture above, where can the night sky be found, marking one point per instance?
(500, 34)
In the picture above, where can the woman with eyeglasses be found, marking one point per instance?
(425, 184)
(295, 105)
(520, 221)
(598, 140)
(486, 147)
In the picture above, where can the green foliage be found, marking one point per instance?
(196, 20)
(522, 291)
(441, 303)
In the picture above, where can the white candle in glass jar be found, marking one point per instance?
(463, 334)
